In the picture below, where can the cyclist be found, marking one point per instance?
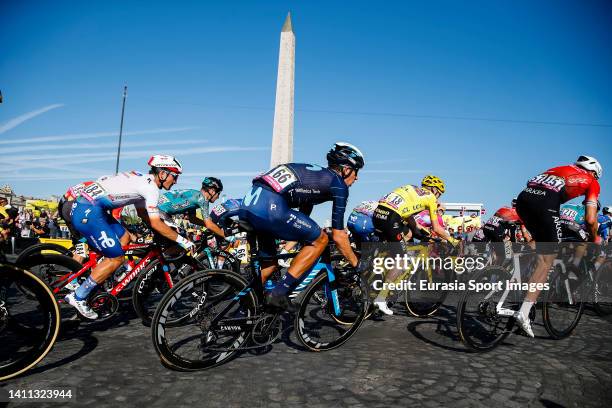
(188, 201)
(605, 223)
(223, 213)
(423, 221)
(394, 221)
(268, 207)
(360, 222)
(538, 206)
(504, 223)
(92, 219)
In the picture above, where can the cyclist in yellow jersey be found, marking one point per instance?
(394, 220)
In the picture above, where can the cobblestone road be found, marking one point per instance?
(400, 361)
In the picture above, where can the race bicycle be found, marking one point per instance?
(210, 316)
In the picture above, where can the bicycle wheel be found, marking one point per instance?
(37, 249)
(149, 288)
(602, 291)
(318, 325)
(191, 331)
(29, 321)
(423, 303)
(563, 305)
(480, 327)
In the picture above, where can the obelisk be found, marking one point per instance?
(282, 134)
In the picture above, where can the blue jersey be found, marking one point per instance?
(305, 185)
(605, 224)
(183, 202)
(572, 212)
(227, 209)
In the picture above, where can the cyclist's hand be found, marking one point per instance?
(598, 240)
(186, 244)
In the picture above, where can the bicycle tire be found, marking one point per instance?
(50, 322)
(144, 300)
(483, 340)
(318, 285)
(561, 328)
(38, 248)
(419, 308)
(168, 352)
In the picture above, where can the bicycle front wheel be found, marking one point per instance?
(327, 318)
(424, 303)
(192, 330)
(29, 321)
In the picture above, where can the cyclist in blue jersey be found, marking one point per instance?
(223, 213)
(269, 208)
(360, 222)
(605, 223)
(188, 201)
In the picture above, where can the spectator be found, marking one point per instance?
(53, 227)
(40, 228)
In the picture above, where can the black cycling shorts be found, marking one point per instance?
(388, 225)
(539, 210)
(64, 208)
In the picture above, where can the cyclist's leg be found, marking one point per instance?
(107, 236)
(271, 217)
(541, 217)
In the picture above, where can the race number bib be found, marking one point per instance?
(568, 214)
(93, 192)
(494, 221)
(77, 190)
(548, 181)
(393, 200)
(218, 210)
(279, 178)
(367, 207)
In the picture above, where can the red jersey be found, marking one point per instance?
(569, 182)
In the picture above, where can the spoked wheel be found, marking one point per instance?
(480, 326)
(29, 321)
(423, 303)
(192, 331)
(324, 324)
(564, 303)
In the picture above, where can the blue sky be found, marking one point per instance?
(483, 94)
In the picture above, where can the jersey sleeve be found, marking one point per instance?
(150, 195)
(339, 192)
(592, 193)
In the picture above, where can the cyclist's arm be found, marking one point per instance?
(208, 223)
(590, 219)
(341, 239)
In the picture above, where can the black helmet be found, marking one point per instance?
(345, 154)
(514, 203)
(212, 182)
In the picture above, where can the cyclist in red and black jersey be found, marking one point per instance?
(538, 206)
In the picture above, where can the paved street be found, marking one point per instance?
(396, 362)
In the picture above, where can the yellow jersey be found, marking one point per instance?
(409, 200)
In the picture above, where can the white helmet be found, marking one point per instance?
(591, 164)
(162, 161)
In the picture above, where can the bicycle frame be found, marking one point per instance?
(94, 258)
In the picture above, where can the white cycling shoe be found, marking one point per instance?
(383, 307)
(524, 323)
(81, 306)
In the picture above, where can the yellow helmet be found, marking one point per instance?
(433, 181)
